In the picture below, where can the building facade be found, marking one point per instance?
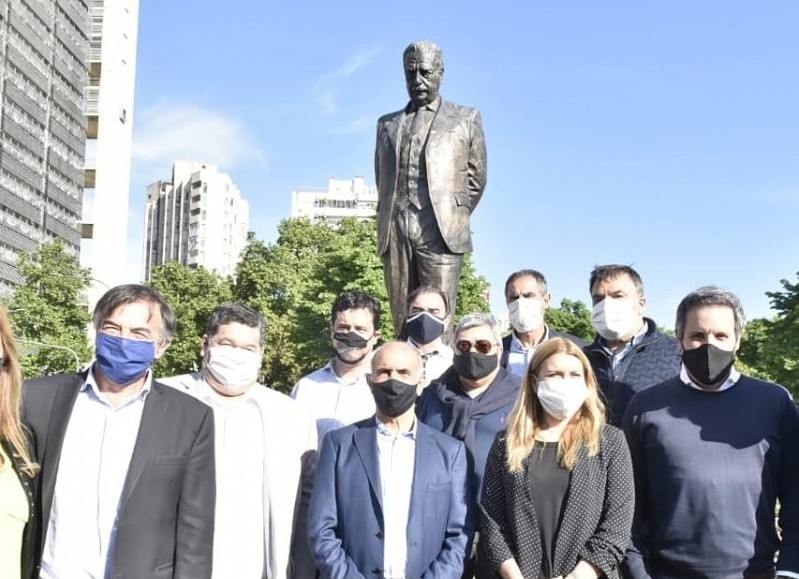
(113, 33)
(199, 219)
(43, 73)
(342, 198)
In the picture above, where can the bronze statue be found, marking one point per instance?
(430, 169)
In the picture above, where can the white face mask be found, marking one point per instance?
(614, 318)
(526, 314)
(562, 397)
(235, 369)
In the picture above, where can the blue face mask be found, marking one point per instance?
(123, 360)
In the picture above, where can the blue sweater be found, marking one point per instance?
(653, 359)
(709, 467)
(481, 426)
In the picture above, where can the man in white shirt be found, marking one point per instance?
(425, 327)
(265, 453)
(337, 394)
(126, 487)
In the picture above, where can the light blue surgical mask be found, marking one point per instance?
(123, 360)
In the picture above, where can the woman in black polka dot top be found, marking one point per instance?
(558, 494)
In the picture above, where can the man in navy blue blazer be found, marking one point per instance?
(389, 499)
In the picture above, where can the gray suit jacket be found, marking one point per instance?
(166, 513)
(455, 155)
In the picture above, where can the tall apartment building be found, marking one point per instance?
(109, 93)
(198, 219)
(341, 199)
(43, 72)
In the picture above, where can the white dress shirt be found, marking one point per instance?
(239, 515)
(397, 457)
(728, 383)
(332, 402)
(95, 456)
(519, 355)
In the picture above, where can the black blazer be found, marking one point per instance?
(166, 513)
(596, 520)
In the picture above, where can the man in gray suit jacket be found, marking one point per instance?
(430, 169)
(127, 482)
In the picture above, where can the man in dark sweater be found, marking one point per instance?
(628, 354)
(713, 451)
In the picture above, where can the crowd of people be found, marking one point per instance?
(453, 452)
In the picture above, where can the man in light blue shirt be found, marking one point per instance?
(127, 480)
(390, 492)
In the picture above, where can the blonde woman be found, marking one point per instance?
(558, 494)
(17, 470)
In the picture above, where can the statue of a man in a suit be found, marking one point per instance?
(430, 169)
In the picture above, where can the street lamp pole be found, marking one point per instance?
(39, 345)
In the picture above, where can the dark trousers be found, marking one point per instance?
(417, 256)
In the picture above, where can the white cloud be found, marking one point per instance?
(328, 83)
(167, 132)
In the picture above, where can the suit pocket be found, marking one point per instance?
(170, 460)
(165, 570)
(439, 487)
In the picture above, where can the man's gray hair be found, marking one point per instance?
(428, 47)
(710, 296)
(478, 320)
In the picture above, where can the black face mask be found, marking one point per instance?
(474, 366)
(424, 327)
(708, 364)
(393, 397)
(351, 339)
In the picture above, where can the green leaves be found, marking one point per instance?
(48, 311)
(574, 317)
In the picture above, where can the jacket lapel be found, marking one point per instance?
(365, 441)
(152, 413)
(63, 402)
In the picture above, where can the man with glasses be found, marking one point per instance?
(472, 399)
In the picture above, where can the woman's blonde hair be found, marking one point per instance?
(527, 416)
(11, 428)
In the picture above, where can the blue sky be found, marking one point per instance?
(663, 135)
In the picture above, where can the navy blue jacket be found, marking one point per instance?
(653, 360)
(482, 424)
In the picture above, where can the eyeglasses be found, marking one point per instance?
(482, 346)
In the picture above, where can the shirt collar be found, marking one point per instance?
(728, 383)
(517, 346)
(91, 384)
(431, 106)
(382, 430)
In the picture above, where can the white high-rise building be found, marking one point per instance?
(199, 219)
(108, 108)
(341, 199)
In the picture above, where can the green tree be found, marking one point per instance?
(472, 291)
(770, 347)
(193, 294)
(49, 313)
(295, 281)
(572, 316)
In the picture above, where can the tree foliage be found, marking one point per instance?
(48, 311)
(193, 294)
(771, 346)
(572, 316)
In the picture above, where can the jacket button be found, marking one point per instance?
(377, 571)
(379, 534)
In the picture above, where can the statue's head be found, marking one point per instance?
(424, 69)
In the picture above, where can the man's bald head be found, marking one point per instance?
(397, 360)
